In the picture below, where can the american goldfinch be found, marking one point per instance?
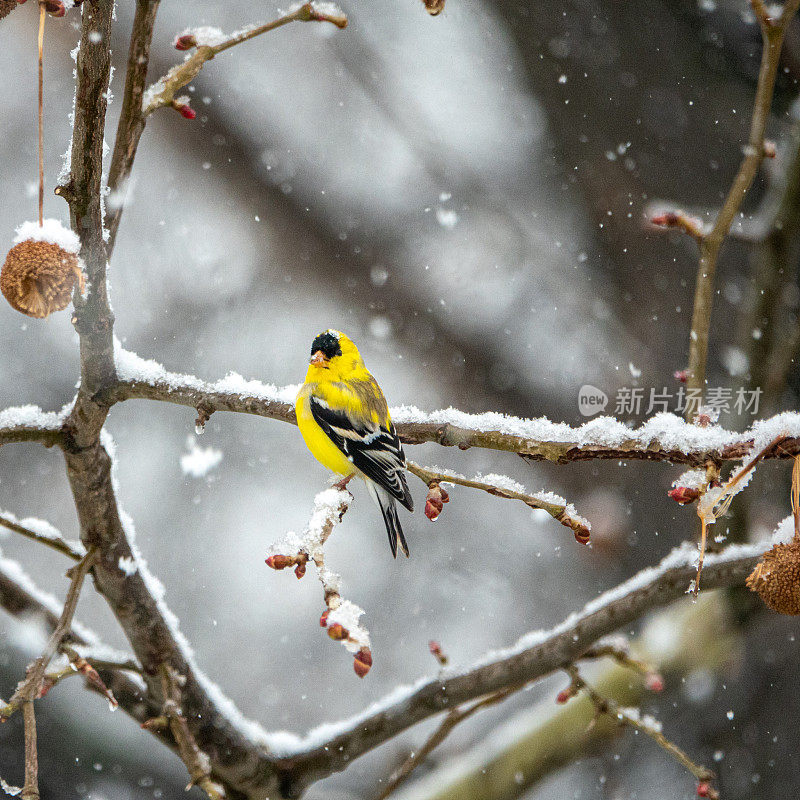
(344, 419)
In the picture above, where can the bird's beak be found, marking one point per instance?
(319, 360)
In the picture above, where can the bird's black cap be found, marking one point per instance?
(328, 344)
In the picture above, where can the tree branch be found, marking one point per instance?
(773, 31)
(93, 318)
(162, 92)
(21, 599)
(30, 424)
(132, 120)
(500, 486)
(30, 688)
(50, 537)
(663, 438)
(537, 654)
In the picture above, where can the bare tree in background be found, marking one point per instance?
(160, 685)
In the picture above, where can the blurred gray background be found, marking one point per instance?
(464, 196)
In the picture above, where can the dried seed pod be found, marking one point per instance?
(434, 7)
(41, 270)
(6, 7)
(776, 578)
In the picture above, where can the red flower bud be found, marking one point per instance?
(323, 620)
(185, 42)
(703, 789)
(435, 501)
(362, 663)
(437, 652)
(684, 494)
(770, 151)
(300, 570)
(280, 561)
(186, 111)
(337, 632)
(654, 682)
(564, 695)
(582, 534)
(668, 219)
(681, 375)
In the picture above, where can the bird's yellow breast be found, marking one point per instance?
(317, 441)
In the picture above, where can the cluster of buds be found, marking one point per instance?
(55, 8)
(436, 651)
(362, 661)
(581, 532)
(323, 12)
(434, 502)
(280, 561)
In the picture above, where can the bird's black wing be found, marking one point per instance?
(375, 450)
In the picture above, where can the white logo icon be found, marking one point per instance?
(591, 400)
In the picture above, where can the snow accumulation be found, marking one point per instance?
(206, 35)
(33, 417)
(51, 231)
(320, 7)
(199, 461)
(131, 367)
(551, 498)
(691, 479)
(43, 529)
(671, 431)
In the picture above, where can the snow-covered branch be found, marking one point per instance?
(30, 424)
(501, 486)
(332, 747)
(664, 437)
(43, 532)
(209, 42)
(341, 617)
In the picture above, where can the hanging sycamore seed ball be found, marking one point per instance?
(6, 7)
(42, 269)
(776, 578)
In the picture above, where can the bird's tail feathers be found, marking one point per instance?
(388, 507)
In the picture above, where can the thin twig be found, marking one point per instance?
(605, 705)
(772, 35)
(196, 761)
(56, 542)
(131, 120)
(29, 688)
(561, 512)
(30, 791)
(453, 718)
(162, 93)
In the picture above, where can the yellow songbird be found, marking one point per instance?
(344, 419)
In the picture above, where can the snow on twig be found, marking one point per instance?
(341, 617)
